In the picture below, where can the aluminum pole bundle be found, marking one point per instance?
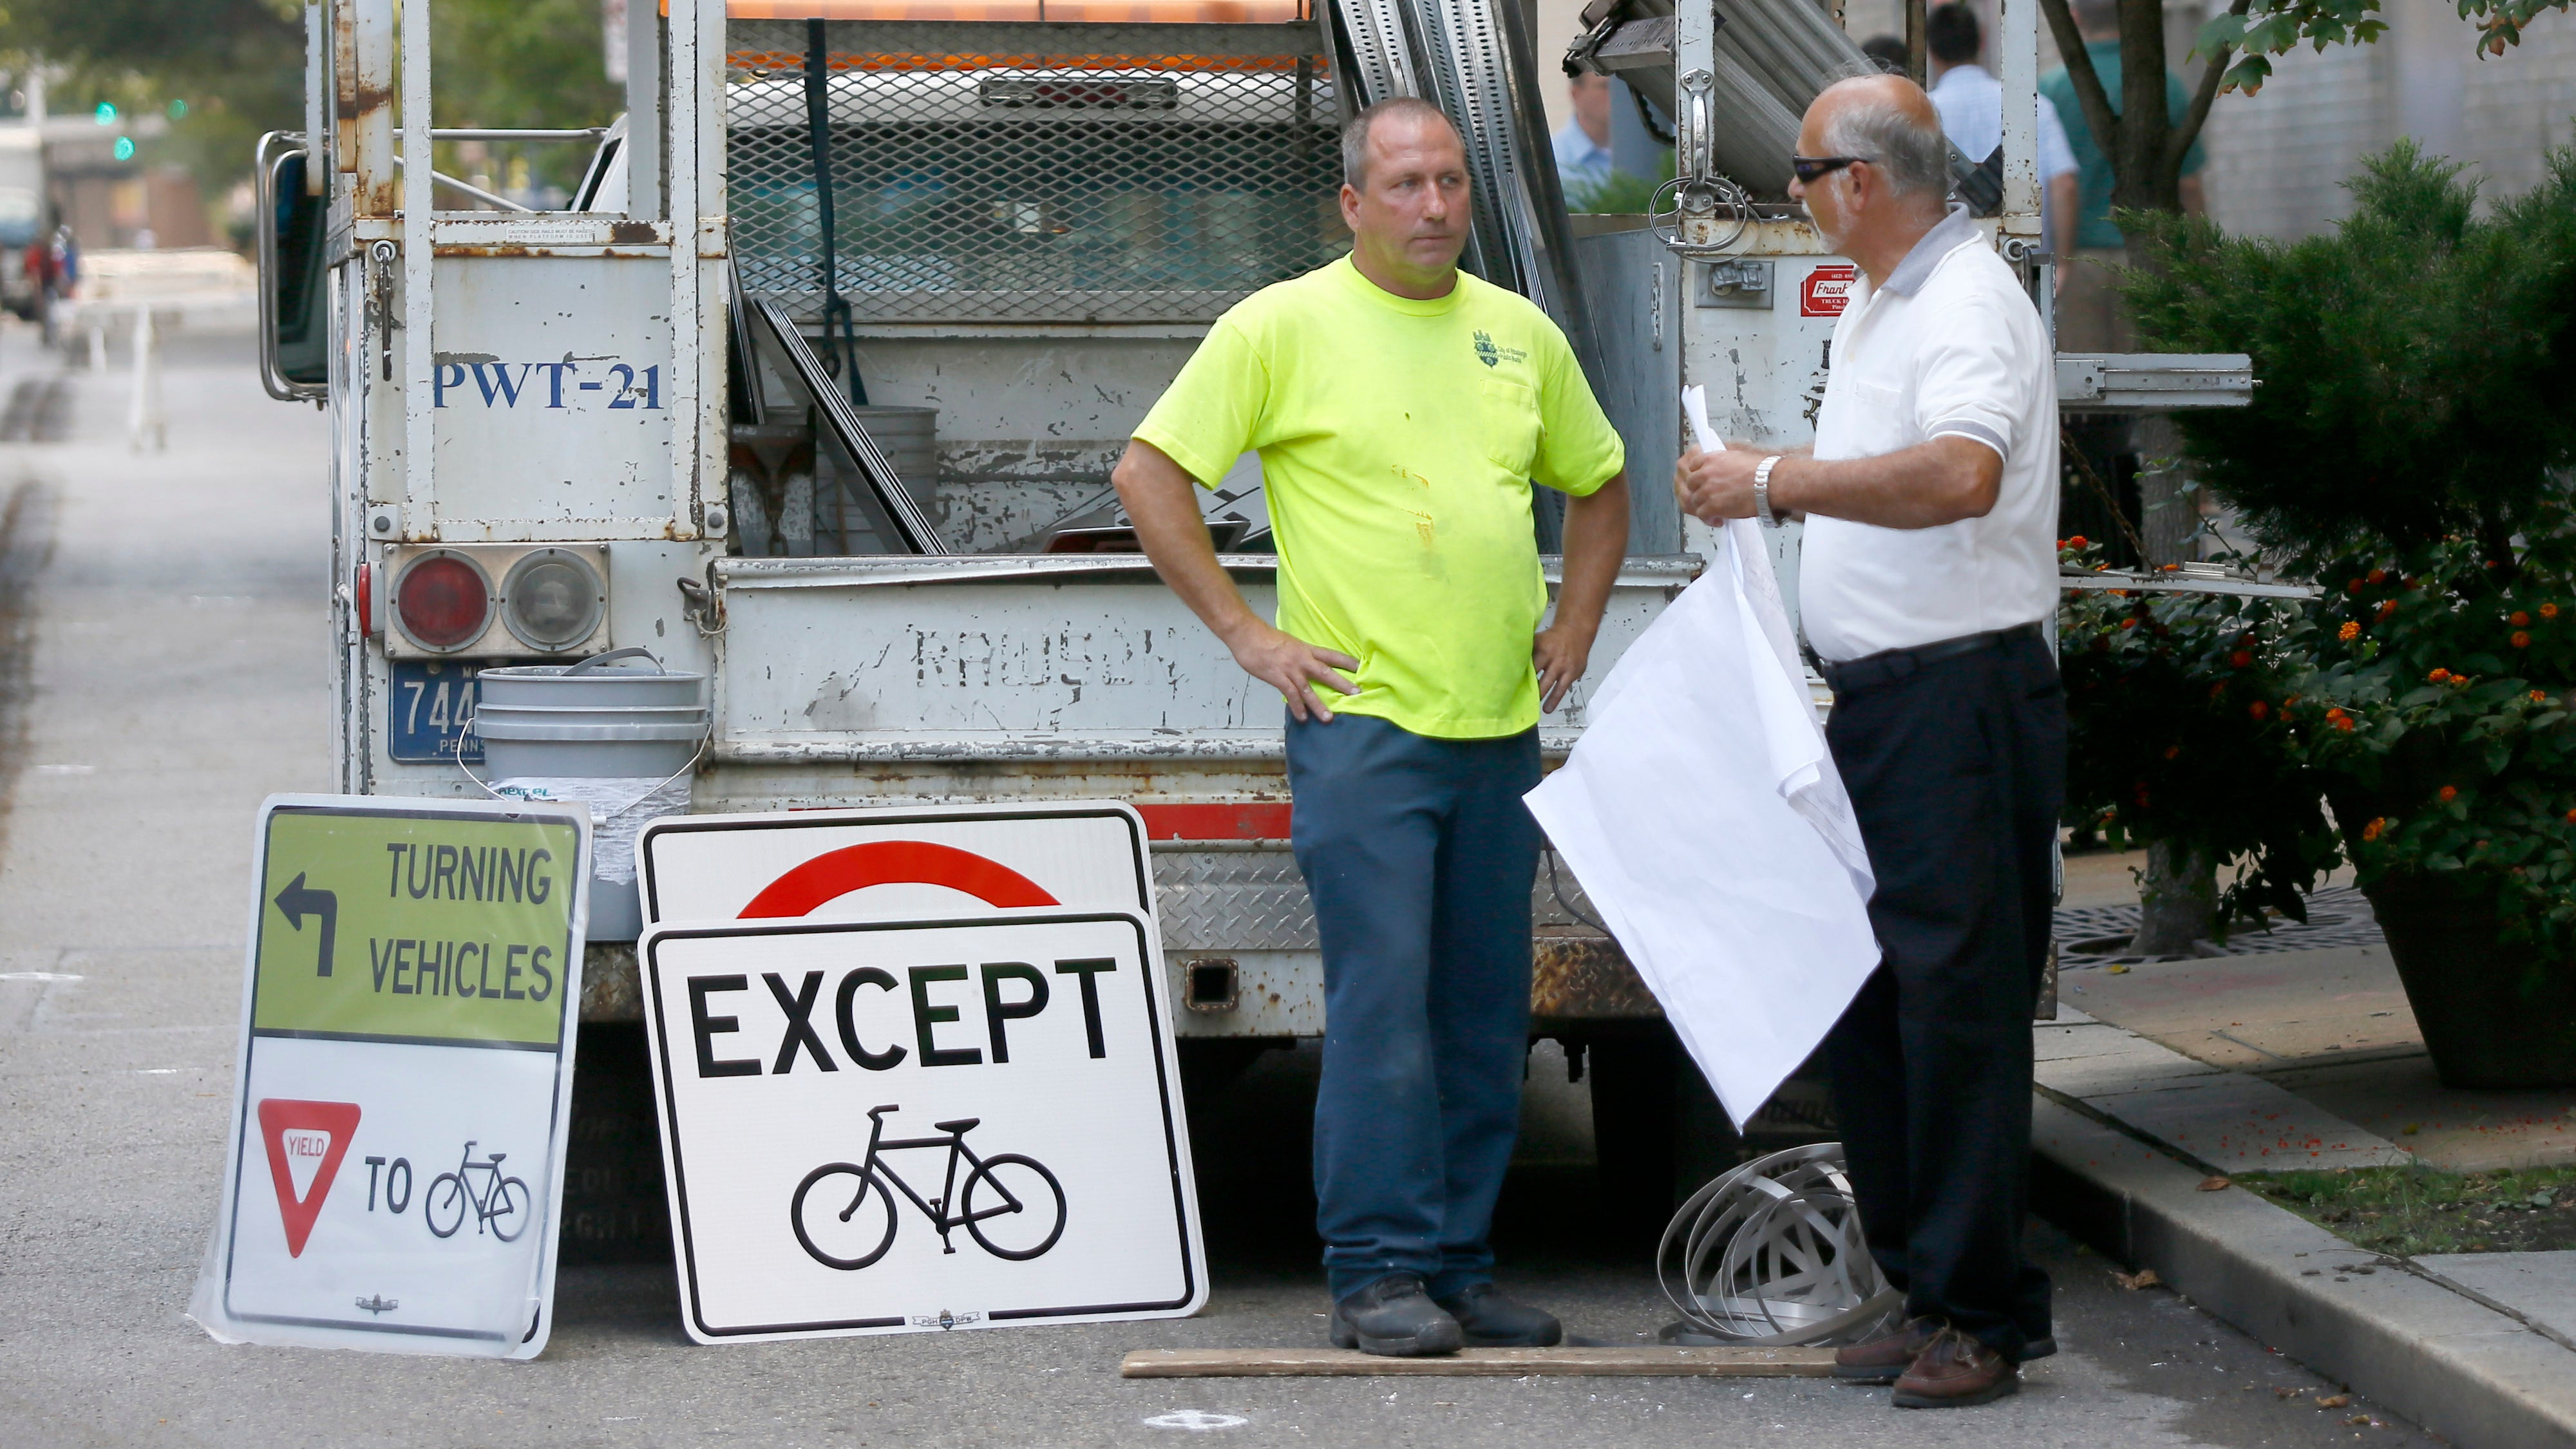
(1469, 58)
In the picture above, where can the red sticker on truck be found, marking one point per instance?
(1827, 290)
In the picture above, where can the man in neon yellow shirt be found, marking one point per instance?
(1402, 410)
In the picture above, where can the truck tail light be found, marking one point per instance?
(364, 596)
(442, 601)
(552, 599)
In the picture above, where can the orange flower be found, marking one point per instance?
(2335, 712)
(2373, 830)
(2258, 709)
(2387, 607)
(2349, 632)
(2293, 699)
(2571, 817)
(2521, 639)
(2537, 697)
(2549, 611)
(2520, 620)
(2240, 659)
(2353, 588)
(2344, 724)
(2438, 675)
(2172, 750)
(2130, 622)
(2449, 793)
(2379, 576)
(2078, 541)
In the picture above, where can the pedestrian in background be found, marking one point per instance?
(1583, 144)
(1971, 102)
(1929, 561)
(2089, 318)
(1402, 410)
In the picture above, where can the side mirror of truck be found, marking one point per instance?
(294, 313)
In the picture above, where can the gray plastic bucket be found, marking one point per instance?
(909, 438)
(592, 721)
(581, 720)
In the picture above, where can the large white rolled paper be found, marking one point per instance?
(1702, 812)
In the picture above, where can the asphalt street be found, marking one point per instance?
(163, 667)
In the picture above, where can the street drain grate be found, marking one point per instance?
(2100, 935)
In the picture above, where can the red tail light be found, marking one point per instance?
(365, 598)
(442, 602)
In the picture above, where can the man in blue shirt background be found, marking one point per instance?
(1583, 144)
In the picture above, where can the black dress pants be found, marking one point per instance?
(1956, 770)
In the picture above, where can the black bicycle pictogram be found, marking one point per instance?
(1010, 1203)
(501, 1206)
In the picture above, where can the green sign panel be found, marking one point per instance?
(410, 925)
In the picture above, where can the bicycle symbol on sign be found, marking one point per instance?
(1010, 1204)
(501, 1206)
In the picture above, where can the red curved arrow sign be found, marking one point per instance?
(834, 874)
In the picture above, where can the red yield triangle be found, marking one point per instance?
(278, 1117)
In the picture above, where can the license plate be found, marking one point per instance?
(432, 707)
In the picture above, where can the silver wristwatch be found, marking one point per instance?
(1762, 491)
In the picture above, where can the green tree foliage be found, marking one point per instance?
(2253, 32)
(239, 65)
(2416, 363)
(525, 63)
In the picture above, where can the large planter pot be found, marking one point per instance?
(2494, 1015)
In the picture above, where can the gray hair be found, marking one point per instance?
(1355, 135)
(1915, 156)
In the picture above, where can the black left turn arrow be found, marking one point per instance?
(296, 902)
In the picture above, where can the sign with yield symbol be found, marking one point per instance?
(406, 1074)
(920, 1126)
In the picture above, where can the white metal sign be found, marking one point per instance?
(896, 864)
(901, 1126)
(396, 1160)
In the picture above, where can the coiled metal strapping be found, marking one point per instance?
(1771, 1254)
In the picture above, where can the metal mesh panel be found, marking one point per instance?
(1034, 188)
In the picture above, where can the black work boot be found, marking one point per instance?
(1491, 1320)
(1394, 1318)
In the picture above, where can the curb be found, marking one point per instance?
(2456, 1366)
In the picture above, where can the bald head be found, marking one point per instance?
(1888, 121)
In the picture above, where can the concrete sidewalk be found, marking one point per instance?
(2160, 1079)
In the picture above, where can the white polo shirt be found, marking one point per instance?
(1948, 346)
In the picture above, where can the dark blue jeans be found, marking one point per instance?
(1419, 855)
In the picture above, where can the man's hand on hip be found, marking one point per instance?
(1560, 654)
(1157, 493)
(1292, 666)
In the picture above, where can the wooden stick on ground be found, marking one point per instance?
(1655, 1362)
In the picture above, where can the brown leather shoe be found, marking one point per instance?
(1955, 1371)
(1881, 1360)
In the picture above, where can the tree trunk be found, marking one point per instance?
(2169, 505)
(2177, 902)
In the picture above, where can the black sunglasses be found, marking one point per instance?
(1812, 169)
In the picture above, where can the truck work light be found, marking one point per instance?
(552, 599)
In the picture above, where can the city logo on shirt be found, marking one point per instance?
(1490, 354)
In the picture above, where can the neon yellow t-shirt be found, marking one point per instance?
(1398, 442)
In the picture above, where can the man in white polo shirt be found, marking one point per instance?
(1931, 505)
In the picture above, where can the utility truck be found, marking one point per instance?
(817, 388)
